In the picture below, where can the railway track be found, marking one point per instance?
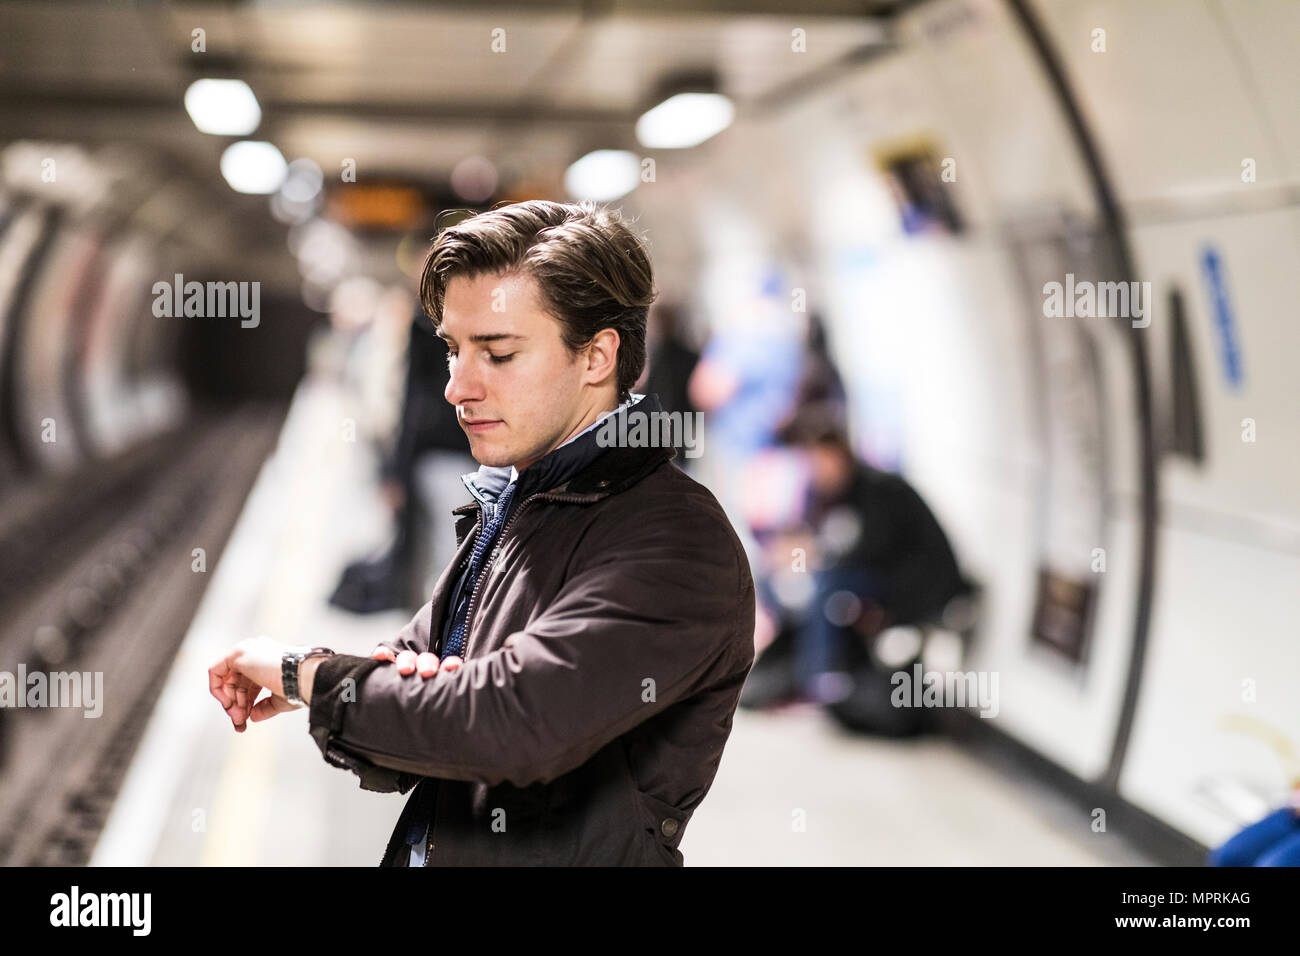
(98, 578)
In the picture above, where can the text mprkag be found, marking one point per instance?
(208, 300)
(102, 909)
(1098, 300)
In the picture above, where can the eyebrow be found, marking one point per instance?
(488, 337)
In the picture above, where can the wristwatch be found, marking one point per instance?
(293, 656)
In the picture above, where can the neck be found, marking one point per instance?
(597, 409)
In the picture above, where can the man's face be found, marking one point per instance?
(518, 391)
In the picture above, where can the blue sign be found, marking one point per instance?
(1225, 323)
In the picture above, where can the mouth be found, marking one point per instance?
(482, 425)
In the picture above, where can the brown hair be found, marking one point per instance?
(593, 271)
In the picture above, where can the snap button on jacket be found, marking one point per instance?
(607, 644)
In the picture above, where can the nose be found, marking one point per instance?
(463, 386)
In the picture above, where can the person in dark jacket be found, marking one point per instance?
(430, 446)
(565, 696)
(882, 559)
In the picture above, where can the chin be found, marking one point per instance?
(492, 457)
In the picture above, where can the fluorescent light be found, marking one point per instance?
(304, 181)
(603, 175)
(253, 167)
(684, 120)
(223, 107)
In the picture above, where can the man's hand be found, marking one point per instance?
(409, 662)
(238, 677)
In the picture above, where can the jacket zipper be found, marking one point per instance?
(487, 567)
(437, 784)
(501, 537)
(433, 815)
(430, 844)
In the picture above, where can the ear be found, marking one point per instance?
(602, 356)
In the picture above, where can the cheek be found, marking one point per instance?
(540, 376)
(535, 391)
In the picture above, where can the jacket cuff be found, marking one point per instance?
(334, 688)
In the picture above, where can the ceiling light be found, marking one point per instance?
(223, 107)
(253, 167)
(684, 120)
(603, 175)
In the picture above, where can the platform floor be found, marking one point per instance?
(199, 794)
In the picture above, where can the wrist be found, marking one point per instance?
(307, 674)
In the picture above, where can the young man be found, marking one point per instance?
(565, 696)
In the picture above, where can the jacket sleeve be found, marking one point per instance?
(645, 621)
(415, 635)
(344, 671)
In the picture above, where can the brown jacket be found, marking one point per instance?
(607, 645)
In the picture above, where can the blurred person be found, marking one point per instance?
(745, 383)
(763, 483)
(769, 509)
(748, 374)
(419, 482)
(671, 362)
(880, 560)
(820, 384)
(669, 366)
(566, 694)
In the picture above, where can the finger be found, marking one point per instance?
(427, 664)
(243, 692)
(450, 664)
(383, 653)
(270, 707)
(231, 686)
(238, 715)
(406, 662)
(238, 686)
(217, 674)
(251, 693)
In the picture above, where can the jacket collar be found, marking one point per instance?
(582, 470)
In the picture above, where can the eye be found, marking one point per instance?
(501, 359)
(450, 355)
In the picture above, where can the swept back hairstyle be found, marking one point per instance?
(593, 271)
